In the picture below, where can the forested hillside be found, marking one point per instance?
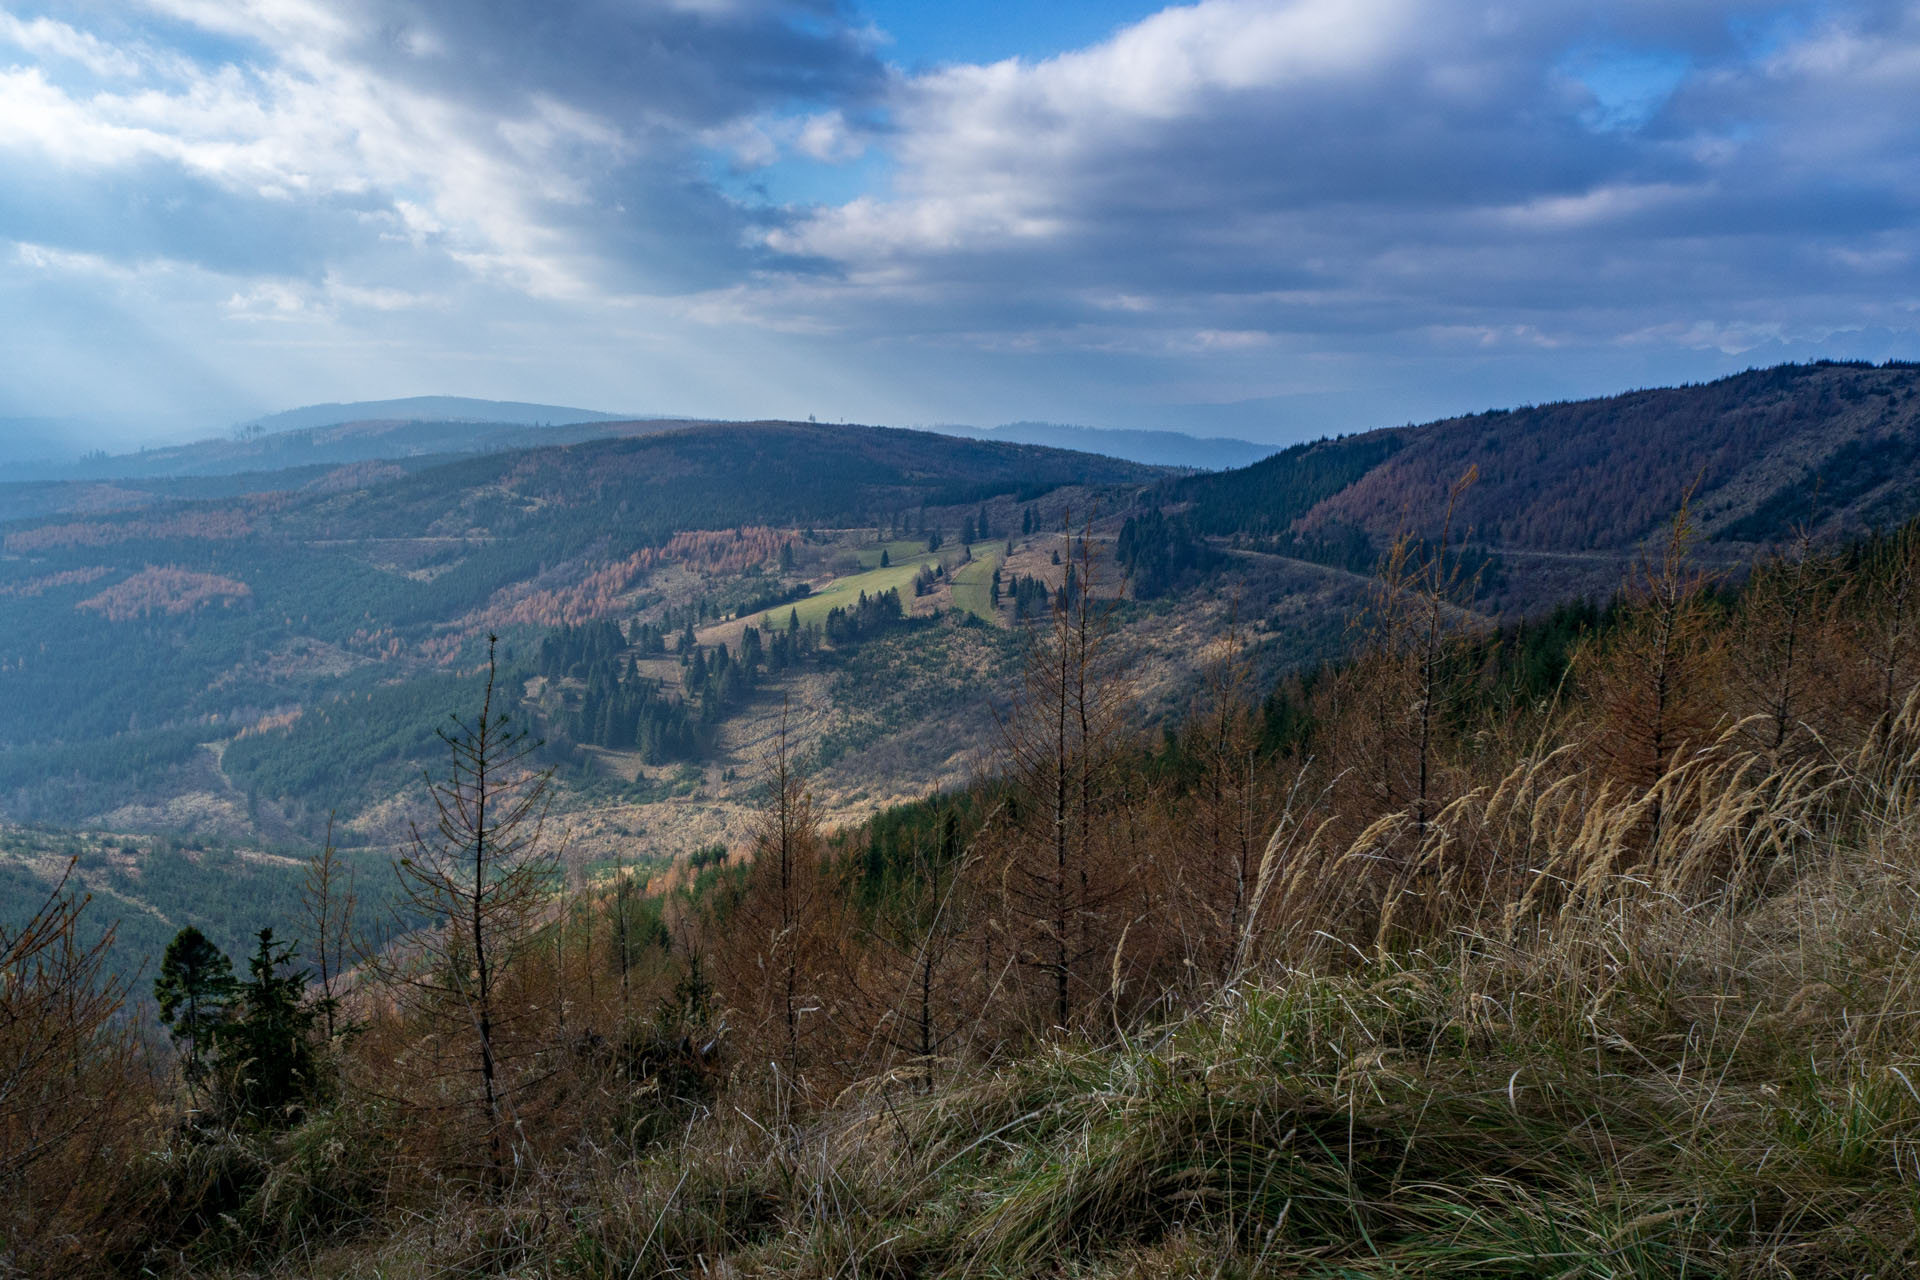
(306, 622)
(1586, 940)
(238, 660)
(1837, 444)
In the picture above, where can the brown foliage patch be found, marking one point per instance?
(598, 593)
(165, 590)
(211, 526)
(40, 586)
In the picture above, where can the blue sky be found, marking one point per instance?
(1270, 218)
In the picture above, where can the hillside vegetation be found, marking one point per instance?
(1603, 474)
(236, 661)
(1582, 946)
(136, 636)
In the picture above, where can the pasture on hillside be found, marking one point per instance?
(844, 593)
(973, 581)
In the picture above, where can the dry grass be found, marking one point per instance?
(1551, 1039)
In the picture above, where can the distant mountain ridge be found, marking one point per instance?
(425, 426)
(1155, 448)
(35, 441)
(432, 409)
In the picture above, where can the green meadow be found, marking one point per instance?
(844, 593)
(973, 581)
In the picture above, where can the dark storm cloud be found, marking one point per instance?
(1263, 200)
(1591, 171)
(649, 66)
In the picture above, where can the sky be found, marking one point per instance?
(1275, 219)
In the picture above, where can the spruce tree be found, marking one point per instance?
(193, 990)
(265, 1060)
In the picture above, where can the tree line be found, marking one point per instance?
(1097, 879)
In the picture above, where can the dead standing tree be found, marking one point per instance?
(1060, 745)
(927, 978)
(779, 951)
(482, 877)
(1214, 887)
(328, 900)
(1392, 701)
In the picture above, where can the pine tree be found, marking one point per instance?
(194, 988)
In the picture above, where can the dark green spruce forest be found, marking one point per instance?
(755, 849)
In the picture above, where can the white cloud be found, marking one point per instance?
(46, 38)
(1210, 198)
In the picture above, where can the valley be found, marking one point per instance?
(246, 668)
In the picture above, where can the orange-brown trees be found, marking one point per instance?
(68, 1096)
(1062, 745)
(1390, 705)
(482, 876)
(1652, 684)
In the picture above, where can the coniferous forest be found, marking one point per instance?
(1584, 934)
(910, 640)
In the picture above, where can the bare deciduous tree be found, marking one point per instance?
(1060, 746)
(779, 940)
(482, 875)
(66, 1065)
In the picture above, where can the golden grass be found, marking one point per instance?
(1553, 1037)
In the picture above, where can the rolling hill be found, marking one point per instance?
(427, 409)
(1157, 448)
(235, 658)
(1598, 475)
(140, 643)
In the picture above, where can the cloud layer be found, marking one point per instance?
(1278, 217)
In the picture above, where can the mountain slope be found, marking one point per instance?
(133, 638)
(428, 409)
(1157, 448)
(1601, 475)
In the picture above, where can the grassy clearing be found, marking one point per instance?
(844, 593)
(973, 581)
(898, 552)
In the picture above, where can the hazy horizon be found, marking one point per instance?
(1268, 219)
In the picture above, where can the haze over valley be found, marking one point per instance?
(741, 638)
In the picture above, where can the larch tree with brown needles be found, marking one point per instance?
(778, 942)
(1061, 745)
(1882, 640)
(1392, 698)
(1780, 622)
(1652, 683)
(482, 875)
